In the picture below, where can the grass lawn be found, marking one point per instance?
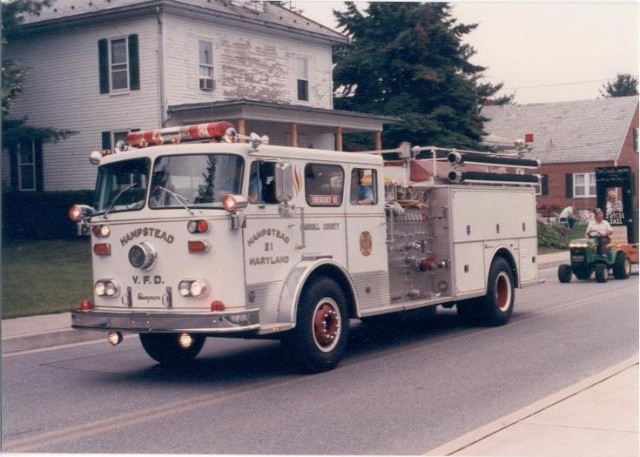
(43, 277)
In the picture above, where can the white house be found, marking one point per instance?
(104, 67)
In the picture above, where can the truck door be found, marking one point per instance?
(271, 240)
(366, 237)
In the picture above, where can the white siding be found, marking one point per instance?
(246, 65)
(62, 91)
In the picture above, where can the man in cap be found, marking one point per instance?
(600, 229)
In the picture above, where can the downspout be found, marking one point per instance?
(160, 52)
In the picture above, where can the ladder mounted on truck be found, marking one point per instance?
(449, 165)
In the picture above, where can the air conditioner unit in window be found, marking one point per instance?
(207, 84)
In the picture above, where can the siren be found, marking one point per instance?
(216, 131)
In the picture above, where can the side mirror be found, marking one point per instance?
(284, 182)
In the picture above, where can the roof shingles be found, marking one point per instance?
(576, 131)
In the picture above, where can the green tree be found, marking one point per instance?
(14, 77)
(408, 60)
(623, 86)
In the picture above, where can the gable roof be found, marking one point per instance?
(575, 131)
(238, 12)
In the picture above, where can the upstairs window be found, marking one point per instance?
(303, 79)
(205, 51)
(118, 64)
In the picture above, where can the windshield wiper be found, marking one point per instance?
(177, 196)
(115, 199)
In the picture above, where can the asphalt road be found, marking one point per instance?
(401, 390)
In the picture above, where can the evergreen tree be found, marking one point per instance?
(623, 86)
(408, 60)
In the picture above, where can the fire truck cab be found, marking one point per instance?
(245, 239)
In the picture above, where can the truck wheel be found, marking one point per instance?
(602, 272)
(166, 349)
(621, 266)
(496, 306)
(564, 273)
(320, 337)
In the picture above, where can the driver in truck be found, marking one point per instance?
(600, 229)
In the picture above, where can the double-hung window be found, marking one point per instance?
(303, 79)
(584, 185)
(26, 165)
(118, 64)
(205, 51)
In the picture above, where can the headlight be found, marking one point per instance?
(106, 288)
(193, 288)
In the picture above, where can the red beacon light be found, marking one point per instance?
(215, 131)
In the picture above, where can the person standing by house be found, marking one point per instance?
(567, 216)
(600, 229)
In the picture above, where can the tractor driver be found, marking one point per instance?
(600, 229)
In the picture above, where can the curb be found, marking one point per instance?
(481, 433)
(49, 339)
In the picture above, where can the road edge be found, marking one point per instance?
(468, 439)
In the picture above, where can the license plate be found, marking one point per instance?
(577, 258)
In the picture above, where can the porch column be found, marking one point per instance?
(339, 145)
(294, 135)
(242, 129)
(378, 140)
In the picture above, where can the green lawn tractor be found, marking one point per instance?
(585, 260)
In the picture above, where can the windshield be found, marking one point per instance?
(200, 180)
(122, 186)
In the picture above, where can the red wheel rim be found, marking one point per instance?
(326, 324)
(503, 291)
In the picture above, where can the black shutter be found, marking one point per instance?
(106, 140)
(134, 63)
(103, 65)
(569, 185)
(39, 178)
(544, 185)
(12, 147)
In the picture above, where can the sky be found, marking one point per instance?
(543, 51)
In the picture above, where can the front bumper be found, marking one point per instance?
(141, 322)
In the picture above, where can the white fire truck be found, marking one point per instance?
(197, 233)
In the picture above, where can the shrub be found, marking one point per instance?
(552, 236)
(40, 215)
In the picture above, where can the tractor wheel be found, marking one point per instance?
(564, 273)
(583, 273)
(621, 266)
(602, 272)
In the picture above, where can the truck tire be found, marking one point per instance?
(496, 307)
(165, 347)
(602, 272)
(320, 336)
(621, 266)
(564, 273)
